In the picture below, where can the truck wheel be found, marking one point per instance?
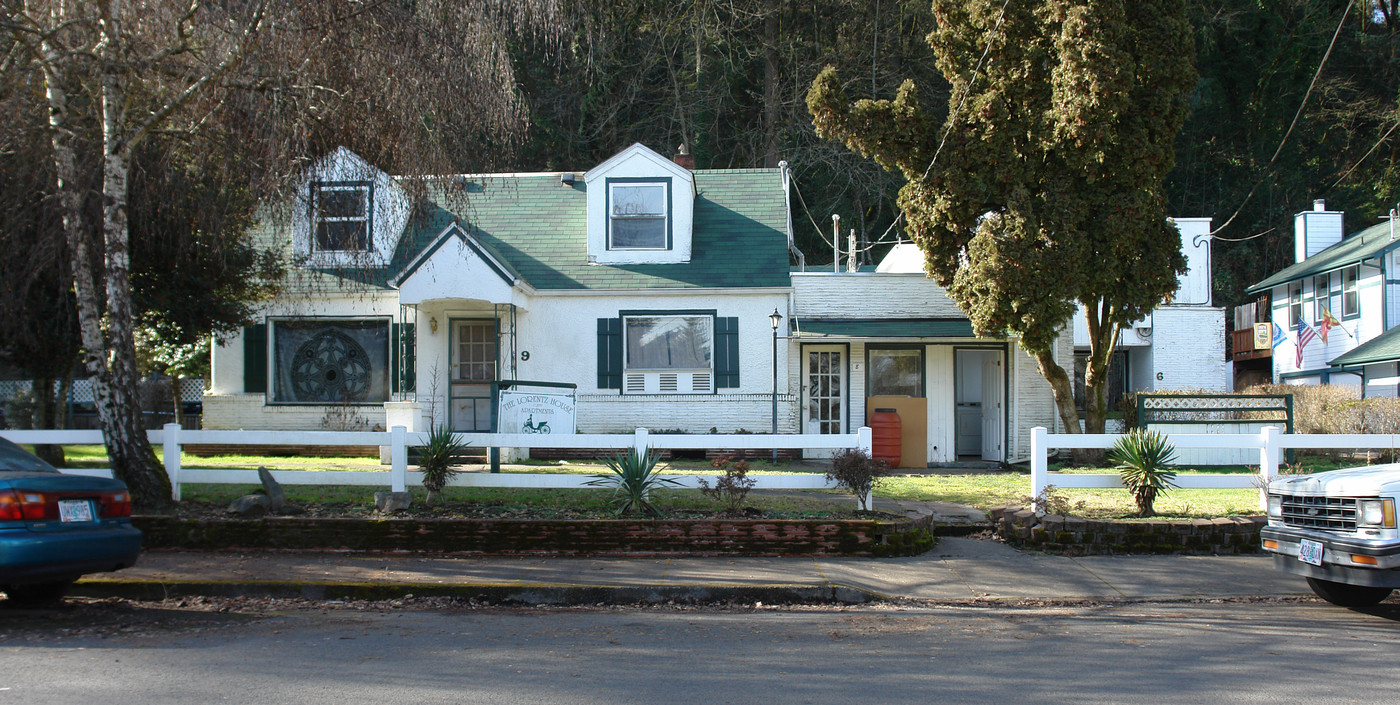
(1344, 595)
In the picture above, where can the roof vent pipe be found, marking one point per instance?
(1319, 205)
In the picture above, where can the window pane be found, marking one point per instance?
(896, 373)
(648, 233)
(330, 361)
(668, 342)
(342, 202)
(642, 200)
(341, 235)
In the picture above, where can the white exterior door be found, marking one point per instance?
(824, 390)
(993, 403)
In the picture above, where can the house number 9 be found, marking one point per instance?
(524, 355)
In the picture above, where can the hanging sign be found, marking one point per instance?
(536, 412)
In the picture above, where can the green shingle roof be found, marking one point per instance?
(537, 228)
(896, 328)
(1367, 244)
(1383, 348)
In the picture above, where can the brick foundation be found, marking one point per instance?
(1078, 536)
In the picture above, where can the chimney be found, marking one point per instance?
(684, 157)
(1316, 230)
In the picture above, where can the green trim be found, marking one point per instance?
(1355, 249)
(455, 229)
(724, 359)
(255, 354)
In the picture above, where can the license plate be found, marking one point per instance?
(1310, 552)
(74, 510)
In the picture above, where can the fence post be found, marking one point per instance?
(170, 443)
(1269, 453)
(1040, 465)
(398, 458)
(865, 441)
(640, 443)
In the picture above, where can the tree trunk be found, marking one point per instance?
(44, 413)
(1062, 386)
(178, 402)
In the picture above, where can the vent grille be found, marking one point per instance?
(668, 382)
(700, 382)
(1330, 513)
(636, 383)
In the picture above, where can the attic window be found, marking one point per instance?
(639, 214)
(341, 213)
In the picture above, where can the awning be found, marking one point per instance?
(883, 328)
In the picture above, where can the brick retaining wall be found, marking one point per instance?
(1078, 536)
(513, 537)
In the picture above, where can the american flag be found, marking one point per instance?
(1305, 333)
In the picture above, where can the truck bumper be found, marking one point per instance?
(1338, 565)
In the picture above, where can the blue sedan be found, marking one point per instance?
(55, 527)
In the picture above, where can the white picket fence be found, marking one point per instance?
(1269, 443)
(399, 440)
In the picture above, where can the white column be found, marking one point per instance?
(170, 443)
(1040, 463)
(1269, 455)
(398, 469)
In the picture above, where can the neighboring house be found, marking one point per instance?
(1354, 279)
(645, 284)
(1180, 345)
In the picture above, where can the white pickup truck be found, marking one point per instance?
(1338, 530)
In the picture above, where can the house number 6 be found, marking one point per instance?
(524, 355)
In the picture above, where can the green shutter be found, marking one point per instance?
(726, 353)
(610, 353)
(255, 359)
(405, 378)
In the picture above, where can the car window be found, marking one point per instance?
(16, 459)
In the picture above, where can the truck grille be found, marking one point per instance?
(1332, 513)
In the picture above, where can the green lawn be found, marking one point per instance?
(982, 490)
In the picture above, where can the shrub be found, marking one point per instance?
(732, 487)
(437, 459)
(1143, 459)
(634, 476)
(857, 472)
(1053, 500)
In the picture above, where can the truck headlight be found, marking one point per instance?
(1376, 513)
(1275, 506)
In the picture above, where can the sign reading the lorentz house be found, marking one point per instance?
(536, 412)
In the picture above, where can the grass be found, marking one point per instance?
(983, 490)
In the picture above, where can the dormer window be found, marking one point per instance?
(341, 213)
(639, 214)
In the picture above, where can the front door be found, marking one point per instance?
(978, 397)
(473, 370)
(824, 390)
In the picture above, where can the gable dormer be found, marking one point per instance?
(641, 209)
(348, 213)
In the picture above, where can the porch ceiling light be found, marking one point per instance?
(432, 324)
(775, 318)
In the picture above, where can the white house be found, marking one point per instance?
(1181, 344)
(644, 286)
(1344, 290)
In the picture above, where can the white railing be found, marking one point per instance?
(398, 440)
(1269, 442)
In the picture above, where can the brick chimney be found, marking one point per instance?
(684, 157)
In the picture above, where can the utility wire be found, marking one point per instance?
(975, 70)
(1296, 117)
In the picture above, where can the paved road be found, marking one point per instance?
(1251, 651)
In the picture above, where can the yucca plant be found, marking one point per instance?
(1144, 458)
(437, 460)
(634, 475)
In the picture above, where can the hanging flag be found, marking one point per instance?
(1305, 334)
(1279, 337)
(1328, 321)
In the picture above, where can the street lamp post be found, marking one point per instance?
(775, 318)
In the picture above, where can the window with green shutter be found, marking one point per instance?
(610, 353)
(255, 359)
(726, 353)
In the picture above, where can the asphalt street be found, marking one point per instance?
(1234, 651)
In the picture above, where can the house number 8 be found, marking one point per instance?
(524, 355)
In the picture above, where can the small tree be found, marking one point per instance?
(857, 472)
(438, 460)
(634, 475)
(1144, 458)
(733, 486)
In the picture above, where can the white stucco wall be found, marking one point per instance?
(638, 161)
(1371, 291)
(1191, 351)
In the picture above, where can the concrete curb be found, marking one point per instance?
(515, 594)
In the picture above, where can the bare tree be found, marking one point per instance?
(413, 86)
